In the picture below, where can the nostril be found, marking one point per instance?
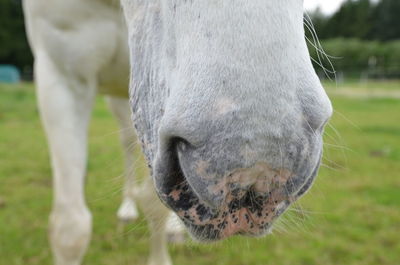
(169, 171)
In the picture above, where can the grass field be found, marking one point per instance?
(351, 215)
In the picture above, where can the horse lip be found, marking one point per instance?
(187, 201)
(251, 228)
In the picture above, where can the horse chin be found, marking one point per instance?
(215, 230)
(242, 213)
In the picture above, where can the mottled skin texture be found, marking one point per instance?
(252, 199)
(228, 108)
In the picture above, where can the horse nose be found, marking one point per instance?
(215, 172)
(227, 174)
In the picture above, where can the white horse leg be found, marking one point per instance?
(156, 215)
(176, 231)
(65, 106)
(121, 109)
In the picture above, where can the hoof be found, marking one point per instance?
(176, 231)
(128, 211)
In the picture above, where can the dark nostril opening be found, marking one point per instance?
(175, 175)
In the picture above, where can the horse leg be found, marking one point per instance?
(156, 215)
(121, 109)
(176, 231)
(65, 105)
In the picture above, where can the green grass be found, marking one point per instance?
(351, 215)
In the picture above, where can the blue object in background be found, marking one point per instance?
(9, 74)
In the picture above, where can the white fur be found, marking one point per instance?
(80, 47)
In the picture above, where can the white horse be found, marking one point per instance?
(226, 104)
(80, 48)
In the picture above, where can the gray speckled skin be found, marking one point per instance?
(228, 108)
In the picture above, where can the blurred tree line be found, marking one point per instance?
(14, 48)
(362, 19)
(363, 36)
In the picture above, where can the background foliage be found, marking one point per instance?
(363, 38)
(354, 57)
(14, 46)
(361, 19)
